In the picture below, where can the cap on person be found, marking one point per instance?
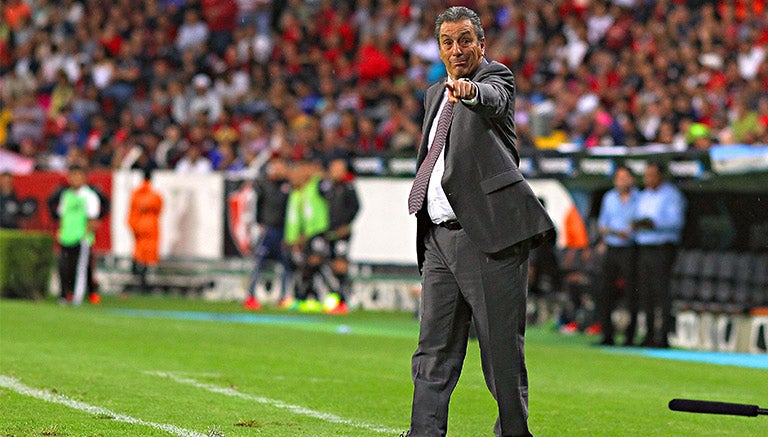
(201, 81)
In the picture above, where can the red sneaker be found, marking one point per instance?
(594, 329)
(570, 328)
(251, 304)
(341, 308)
(95, 298)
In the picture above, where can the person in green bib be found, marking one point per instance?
(306, 221)
(78, 209)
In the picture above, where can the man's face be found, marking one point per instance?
(6, 183)
(460, 49)
(623, 179)
(652, 177)
(337, 169)
(76, 178)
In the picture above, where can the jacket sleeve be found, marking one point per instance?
(495, 91)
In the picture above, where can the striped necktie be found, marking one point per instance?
(421, 181)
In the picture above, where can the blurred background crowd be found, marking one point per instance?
(222, 85)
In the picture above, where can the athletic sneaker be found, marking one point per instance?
(95, 298)
(288, 303)
(310, 306)
(341, 308)
(594, 329)
(251, 304)
(569, 328)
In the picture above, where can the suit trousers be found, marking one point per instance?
(460, 284)
(654, 275)
(618, 262)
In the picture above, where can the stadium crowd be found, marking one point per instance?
(222, 85)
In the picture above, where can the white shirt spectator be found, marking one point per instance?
(233, 87)
(749, 62)
(425, 47)
(194, 163)
(598, 24)
(193, 32)
(204, 99)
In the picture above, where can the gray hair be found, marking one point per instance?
(459, 13)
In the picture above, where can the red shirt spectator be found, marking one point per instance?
(16, 13)
(221, 15)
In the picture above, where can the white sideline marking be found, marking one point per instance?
(16, 385)
(296, 409)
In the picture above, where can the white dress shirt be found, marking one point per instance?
(437, 202)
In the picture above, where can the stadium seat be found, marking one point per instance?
(685, 274)
(758, 336)
(740, 294)
(708, 278)
(760, 280)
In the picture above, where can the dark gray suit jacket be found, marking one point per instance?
(491, 199)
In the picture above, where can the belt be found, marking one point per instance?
(453, 225)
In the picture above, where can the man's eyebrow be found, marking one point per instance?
(466, 32)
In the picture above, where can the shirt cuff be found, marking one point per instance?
(474, 101)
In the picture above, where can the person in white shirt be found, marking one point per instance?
(194, 162)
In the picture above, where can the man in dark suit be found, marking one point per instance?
(477, 221)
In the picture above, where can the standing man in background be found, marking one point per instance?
(477, 219)
(78, 208)
(272, 192)
(343, 205)
(658, 224)
(10, 204)
(306, 222)
(144, 221)
(615, 226)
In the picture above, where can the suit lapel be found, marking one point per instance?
(434, 96)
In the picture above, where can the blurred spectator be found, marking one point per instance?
(203, 100)
(343, 205)
(619, 260)
(194, 162)
(146, 205)
(272, 190)
(221, 17)
(620, 73)
(78, 208)
(192, 33)
(10, 205)
(306, 221)
(699, 136)
(658, 224)
(15, 13)
(171, 148)
(27, 120)
(61, 96)
(744, 123)
(544, 280)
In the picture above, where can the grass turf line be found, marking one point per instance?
(56, 398)
(100, 357)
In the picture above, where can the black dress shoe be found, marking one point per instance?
(605, 342)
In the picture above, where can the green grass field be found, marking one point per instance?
(193, 368)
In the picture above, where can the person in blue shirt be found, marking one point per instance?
(658, 224)
(615, 225)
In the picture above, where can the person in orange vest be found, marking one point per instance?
(144, 221)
